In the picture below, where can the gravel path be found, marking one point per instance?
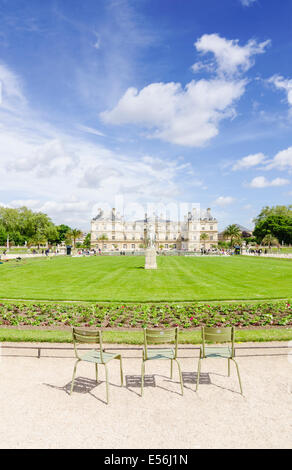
(37, 412)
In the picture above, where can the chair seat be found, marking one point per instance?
(94, 356)
(217, 351)
(159, 354)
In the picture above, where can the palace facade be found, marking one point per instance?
(111, 232)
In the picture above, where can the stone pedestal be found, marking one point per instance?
(63, 250)
(150, 258)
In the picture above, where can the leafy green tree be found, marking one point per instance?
(62, 230)
(38, 239)
(270, 240)
(16, 238)
(275, 210)
(204, 237)
(75, 233)
(233, 232)
(87, 241)
(3, 235)
(280, 226)
(103, 237)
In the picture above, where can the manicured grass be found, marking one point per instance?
(136, 337)
(178, 278)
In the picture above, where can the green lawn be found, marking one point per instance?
(136, 337)
(105, 278)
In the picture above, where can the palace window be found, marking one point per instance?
(133, 246)
(125, 246)
(211, 227)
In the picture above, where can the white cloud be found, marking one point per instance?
(262, 182)
(49, 166)
(11, 86)
(247, 3)
(199, 66)
(190, 115)
(231, 58)
(30, 203)
(97, 42)
(187, 116)
(223, 201)
(45, 160)
(90, 130)
(283, 84)
(249, 161)
(282, 160)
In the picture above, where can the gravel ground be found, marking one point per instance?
(37, 412)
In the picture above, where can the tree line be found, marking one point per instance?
(23, 226)
(273, 226)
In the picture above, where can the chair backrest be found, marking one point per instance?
(86, 336)
(161, 336)
(218, 335)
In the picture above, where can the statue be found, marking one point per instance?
(150, 237)
(150, 254)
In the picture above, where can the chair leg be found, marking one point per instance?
(180, 377)
(121, 370)
(96, 372)
(198, 374)
(238, 376)
(228, 367)
(73, 378)
(171, 368)
(142, 377)
(106, 383)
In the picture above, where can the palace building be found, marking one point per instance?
(111, 232)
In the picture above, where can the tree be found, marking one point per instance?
(233, 232)
(75, 233)
(203, 238)
(62, 230)
(87, 241)
(38, 239)
(103, 237)
(3, 235)
(269, 240)
(275, 210)
(23, 224)
(280, 226)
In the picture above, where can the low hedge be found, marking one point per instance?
(140, 315)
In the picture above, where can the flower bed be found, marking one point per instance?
(150, 315)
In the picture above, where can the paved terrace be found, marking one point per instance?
(37, 411)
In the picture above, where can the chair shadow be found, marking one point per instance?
(134, 381)
(191, 378)
(82, 385)
(205, 379)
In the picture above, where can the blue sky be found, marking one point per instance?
(157, 103)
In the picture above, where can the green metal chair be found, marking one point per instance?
(95, 356)
(218, 335)
(161, 336)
